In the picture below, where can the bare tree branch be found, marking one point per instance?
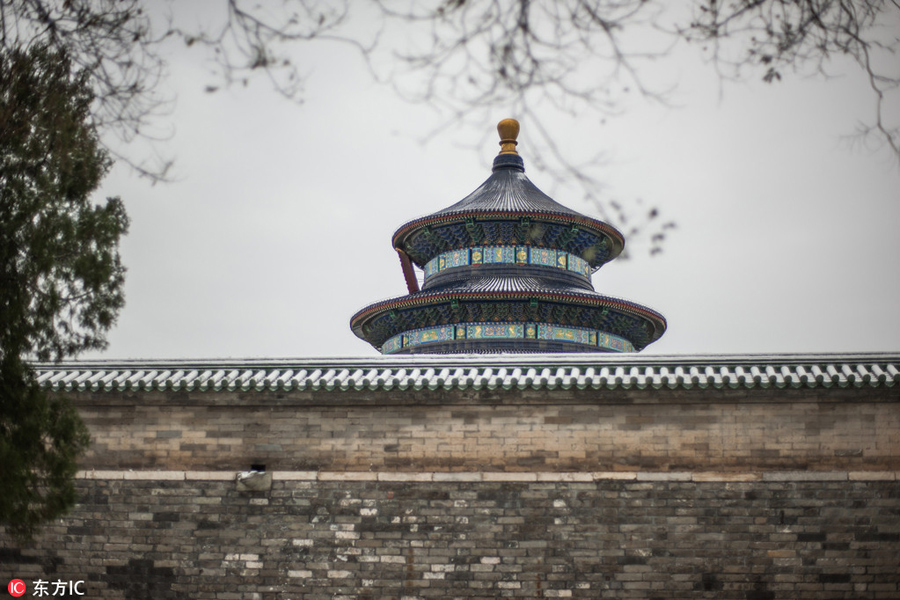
(575, 56)
(583, 58)
(803, 36)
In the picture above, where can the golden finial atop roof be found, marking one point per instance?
(509, 131)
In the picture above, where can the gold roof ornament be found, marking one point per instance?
(509, 131)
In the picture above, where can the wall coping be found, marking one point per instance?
(493, 476)
(477, 372)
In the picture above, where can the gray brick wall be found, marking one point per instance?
(312, 540)
(569, 430)
(751, 494)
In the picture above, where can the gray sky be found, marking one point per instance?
(279, 227)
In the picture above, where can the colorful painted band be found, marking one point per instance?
(508, 331)
(511, 255)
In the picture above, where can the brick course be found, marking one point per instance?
(573, 430)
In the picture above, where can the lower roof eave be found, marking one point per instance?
(591, 300)
(428, 298)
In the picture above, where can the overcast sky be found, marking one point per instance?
(279, 227)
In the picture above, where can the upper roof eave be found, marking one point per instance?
(599, 227)
(508, 194)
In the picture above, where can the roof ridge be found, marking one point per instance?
(478, 371)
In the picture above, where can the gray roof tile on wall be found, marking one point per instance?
(538, 372)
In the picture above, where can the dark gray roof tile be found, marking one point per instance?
(556, 371)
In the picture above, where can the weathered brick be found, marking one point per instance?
(743, 494)
(710, 430)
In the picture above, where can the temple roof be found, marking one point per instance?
(478, 372)
(508, 189)
(506, 269)
(509, 195)
(521, 289)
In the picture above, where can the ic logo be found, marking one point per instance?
(16, 588)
